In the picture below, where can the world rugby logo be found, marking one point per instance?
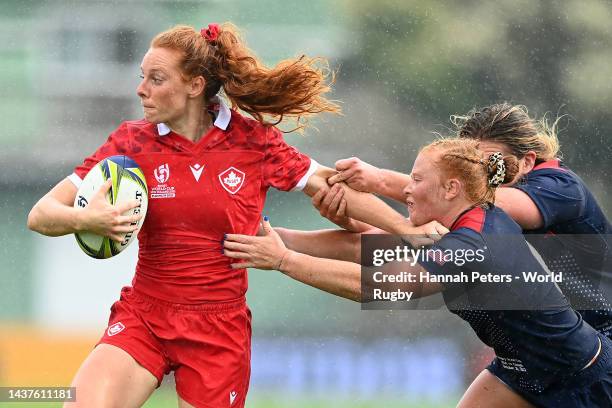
(162, 173)
(232, 180)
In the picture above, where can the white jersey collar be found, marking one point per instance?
(222, 122)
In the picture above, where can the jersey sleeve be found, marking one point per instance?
(558, 196)
(284, 167)
(117, 143)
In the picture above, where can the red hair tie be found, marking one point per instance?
(211, 33)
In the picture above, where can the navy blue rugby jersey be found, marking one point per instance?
(534, 332)
(574, 240)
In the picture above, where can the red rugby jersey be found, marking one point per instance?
(197, 193)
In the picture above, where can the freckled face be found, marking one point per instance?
(163, 92)
(425, 192)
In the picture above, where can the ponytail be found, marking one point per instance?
(293, 88)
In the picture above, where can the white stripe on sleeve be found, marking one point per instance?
(311, 170)
(76, 180)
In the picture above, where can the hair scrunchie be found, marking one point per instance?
(497, 168)
(211, 33)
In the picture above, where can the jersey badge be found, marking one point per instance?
(232, 180)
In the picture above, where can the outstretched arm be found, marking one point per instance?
(340, 278)
(334, 244)
(331, 204)
(362, 176)
(362, 206)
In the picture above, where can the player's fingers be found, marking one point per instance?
(442, 230)
(105, 187)
(336, 178)
(236, 246)
(341, 176)
(317, 197)
(431, 238)
(330, 196)
(243, 239)
(128, 205)
(434, 230)
(236, 254)
(419, 242)
(266, 225)
(260, 230)
(117, 237)
(438, 231)
(336, 199)
(345, 164)
(129, 219)
(124, 228)
(341, 208)
(243, 265)
(428, 229)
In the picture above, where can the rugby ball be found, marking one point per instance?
(128, 183)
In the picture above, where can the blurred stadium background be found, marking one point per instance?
(68, 71)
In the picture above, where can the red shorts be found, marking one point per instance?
(208, 346)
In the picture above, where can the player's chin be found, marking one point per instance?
(151, 116)
(419, 219)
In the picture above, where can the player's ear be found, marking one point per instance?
(452, 188)
(196, 86)
(528, 162)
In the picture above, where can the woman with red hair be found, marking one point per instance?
(546, 355)
(208, 169)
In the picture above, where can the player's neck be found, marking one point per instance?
(453, 212)
(194, 124)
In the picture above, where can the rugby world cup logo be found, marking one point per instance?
(232, 180)
(162, 173)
